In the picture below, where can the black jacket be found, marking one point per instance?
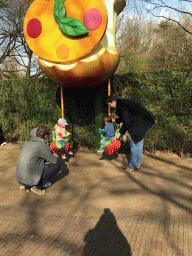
(135, 118)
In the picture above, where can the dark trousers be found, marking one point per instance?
(48, 171)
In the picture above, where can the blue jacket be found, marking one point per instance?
(32, 161)
(109, 130)
(135, 118)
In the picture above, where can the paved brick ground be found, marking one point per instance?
(25, 233)
(101, 211)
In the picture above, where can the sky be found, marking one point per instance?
(144, 5)
(181, 5)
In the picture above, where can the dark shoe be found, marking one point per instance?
(137, 168)
(27, 189)
(38, 191)
(48, 184)
(128, 169)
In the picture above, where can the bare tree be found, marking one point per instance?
(133, 42)
(179, 7)
(13, 48)
(146, 44)
(171, 47)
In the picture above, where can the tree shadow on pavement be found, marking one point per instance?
(106, 238)
(165, 193)
(167, 161)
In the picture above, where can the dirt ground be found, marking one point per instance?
(89, 180)
(152, 206)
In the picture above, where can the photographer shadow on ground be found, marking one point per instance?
(106, 238)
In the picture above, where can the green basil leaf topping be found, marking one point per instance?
(59, 10)
(68, 25)
(72, 27)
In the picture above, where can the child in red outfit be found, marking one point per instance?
(61, 134)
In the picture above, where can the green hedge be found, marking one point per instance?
(167, 94)
(29, 103)
(26, 104)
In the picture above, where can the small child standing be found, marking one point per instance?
(61, 134)
(109, 131)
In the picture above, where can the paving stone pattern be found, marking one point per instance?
(94, 209)
(23, 233)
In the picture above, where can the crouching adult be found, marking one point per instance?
(32, 172)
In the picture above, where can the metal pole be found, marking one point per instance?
(109, 93)
(62, 103)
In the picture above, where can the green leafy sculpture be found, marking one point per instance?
(68, 25)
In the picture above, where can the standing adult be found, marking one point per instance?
(32, 172)
(136, 120)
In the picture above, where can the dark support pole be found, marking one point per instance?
(99, 113)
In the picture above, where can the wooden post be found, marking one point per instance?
(62, 103)
(109, 93)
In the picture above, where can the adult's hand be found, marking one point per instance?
(118, 135)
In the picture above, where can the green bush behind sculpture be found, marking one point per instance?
(25, 104)
(167, 94)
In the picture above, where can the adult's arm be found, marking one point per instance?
(45, 152)
(125, 120)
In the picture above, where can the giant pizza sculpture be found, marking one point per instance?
(74, 39)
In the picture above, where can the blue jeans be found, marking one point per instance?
(104, 139)
(48, 171)
(136, 153)
(62, 142)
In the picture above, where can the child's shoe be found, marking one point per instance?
(100, 150)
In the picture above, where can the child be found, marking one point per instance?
(108, 130)
(61, 133)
